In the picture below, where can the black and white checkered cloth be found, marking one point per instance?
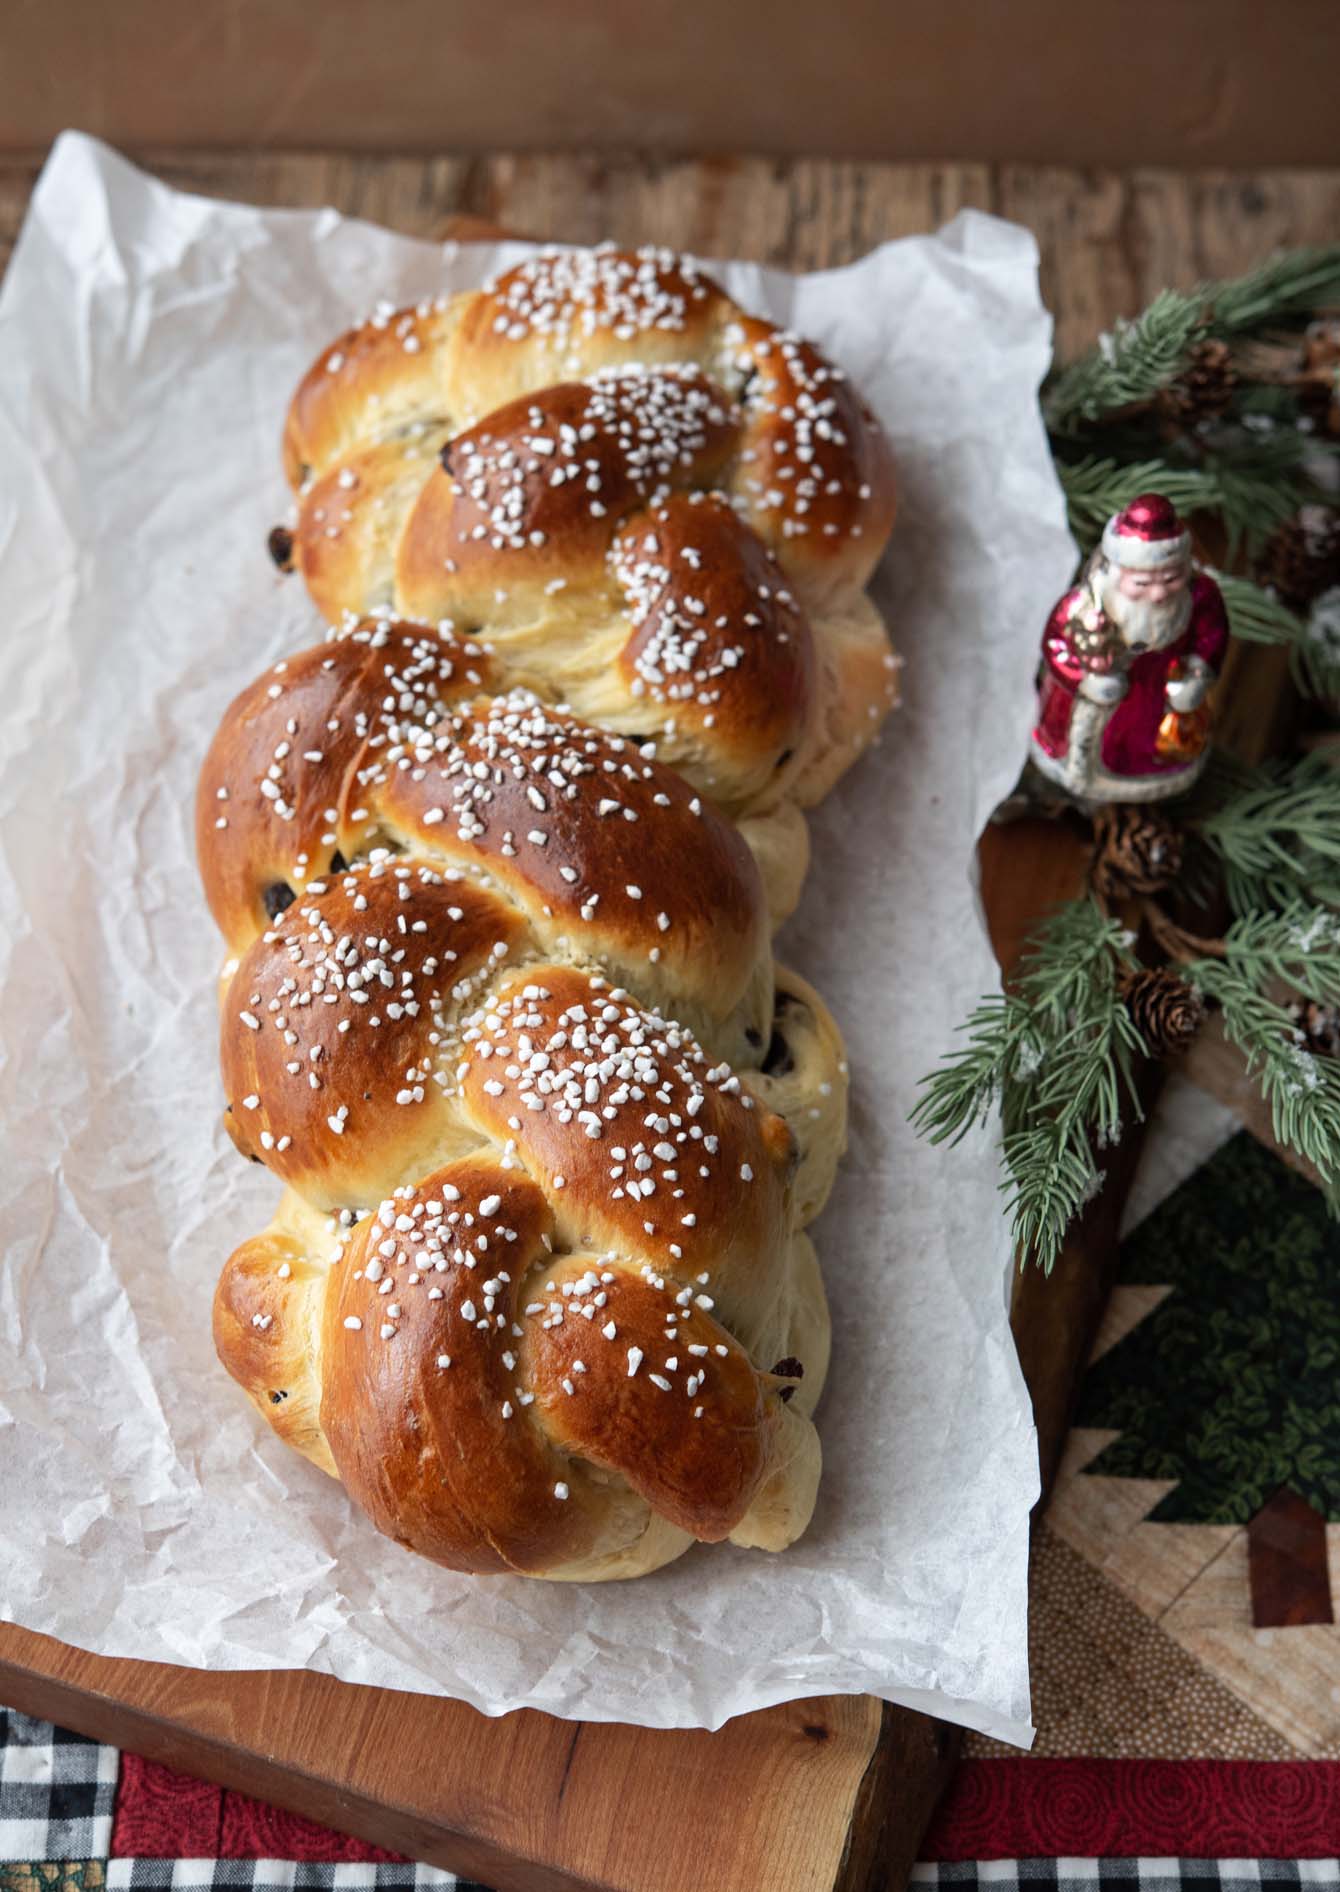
(57, 1796)
(56, 1792)
(1137, 1875)
(1001, 1875)
(275, 1875)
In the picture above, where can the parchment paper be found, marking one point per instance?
(148, 344)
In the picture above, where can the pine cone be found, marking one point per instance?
(1204, 388)
(1301, 558)
(1163, 1008)
(1319, 1025)
(1136, 850)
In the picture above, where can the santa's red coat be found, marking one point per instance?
(1130, 736)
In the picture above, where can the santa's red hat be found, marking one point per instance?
(1146, 534)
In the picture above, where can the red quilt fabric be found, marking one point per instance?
(1039, 1808)
(161, 1814)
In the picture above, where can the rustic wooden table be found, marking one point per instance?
(1109, 240)
(813, 1795)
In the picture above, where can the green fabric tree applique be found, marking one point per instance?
(1231, 1386)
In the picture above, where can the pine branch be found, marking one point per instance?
(1293, 283)
(1057, 1052)
(1275, 833)
(1251, 500)
(1298, 947)
(1139, 358)
(1049, 1138)
(961, 1092)
(1078, 943)
(1050, 1175)
(1132, 363)
(1257, 616)
(1302, 947)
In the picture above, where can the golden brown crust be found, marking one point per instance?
(599, 846)
(266, 1321)
(384, 374)
(646, 1146)
(815, 476)
(332, 1026)
(530, 496)
(563, 313)
(378, 737)
(350, 520)
(476, 1388)
(718, 636)
(513, 545)
(542, 1242)
(474, 1379)
(422, 1409)
(496, 1407)
(659, 1392)
(282, 790)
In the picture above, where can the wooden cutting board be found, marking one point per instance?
(811, 1796)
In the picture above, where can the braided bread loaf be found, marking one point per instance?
(619, 535)
(498, 865)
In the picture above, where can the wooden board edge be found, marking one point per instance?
(908, 1773)
(1027, 867)
(1055, 1318)
(865, 1750)
(34, 1690)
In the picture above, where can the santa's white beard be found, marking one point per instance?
(1146, 626)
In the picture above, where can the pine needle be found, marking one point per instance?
(1131, 364)
(1253, 494)
(1300, 948)
(962, 1091)
(1294, 282)
(1057, 1053)
(1275, 833)
(1140, 358)
(1051, 1175)
(1257, 616)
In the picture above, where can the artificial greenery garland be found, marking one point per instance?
(1211, 399)
(1057, 1054)
(1140, 359)
(1226, 400)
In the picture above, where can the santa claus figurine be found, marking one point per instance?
(1128, 658)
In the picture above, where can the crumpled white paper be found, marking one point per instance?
(148, 345)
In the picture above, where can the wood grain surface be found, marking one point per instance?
(809, 1795)
(1109, 240)
(813, 1795)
